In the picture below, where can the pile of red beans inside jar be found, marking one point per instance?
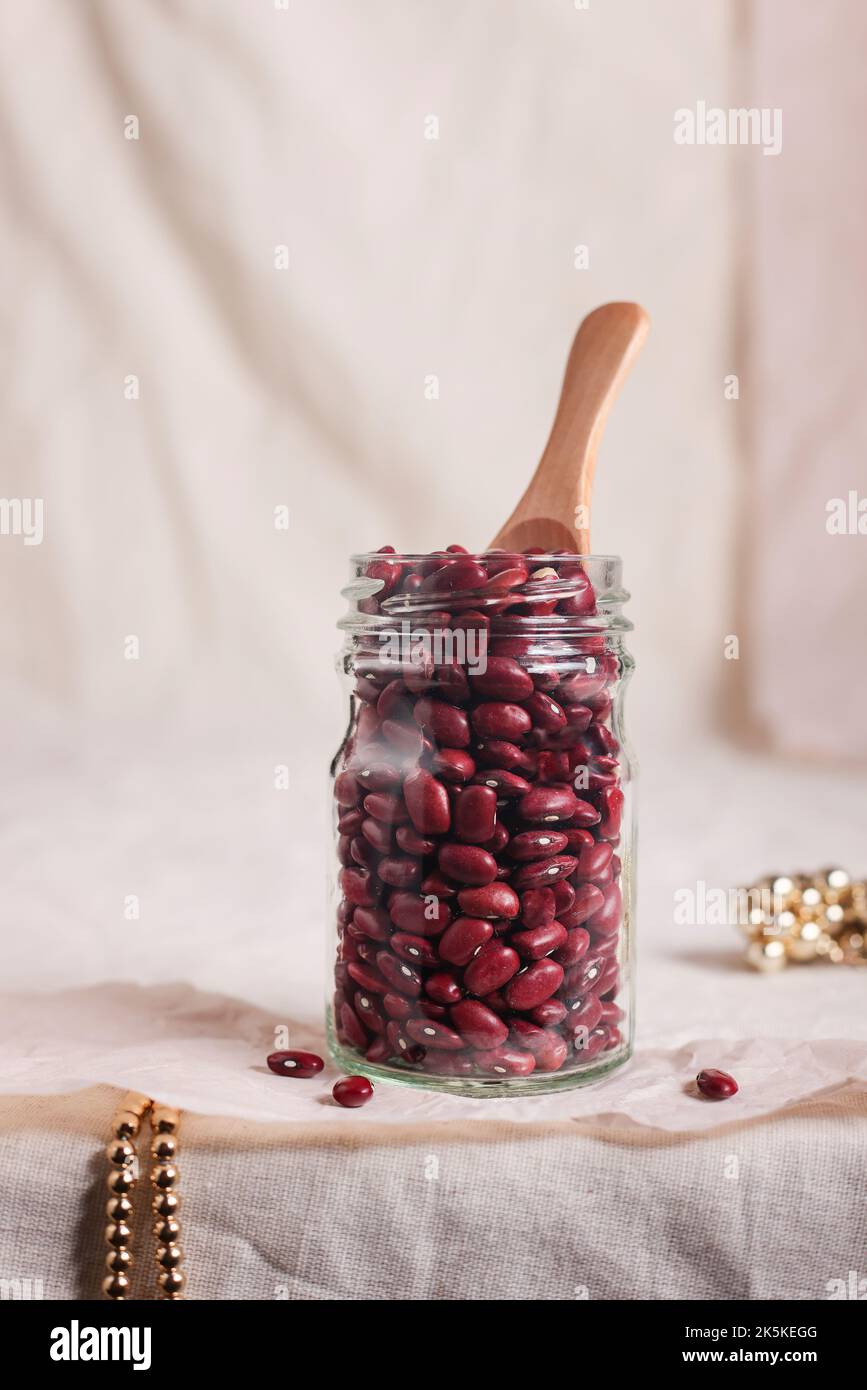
(479, 800)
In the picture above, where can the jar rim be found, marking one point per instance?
(412, 557)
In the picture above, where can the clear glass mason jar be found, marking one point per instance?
(483, 881)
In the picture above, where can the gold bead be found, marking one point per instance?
(115, 1286)
(118, 1261)
(126, 1125)
(164, 1176)
(767, 956)
(121, 1182)
(121, 1154)
(171, 1281)
(118, 1234)
(167, 1232)
(165, 1119)
(136, 1102)
(163, 1147)
(118, 1209)
(166, 1204)
(169, 1256)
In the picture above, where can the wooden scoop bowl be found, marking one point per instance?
(554, 512)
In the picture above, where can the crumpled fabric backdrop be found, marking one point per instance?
(168, 385)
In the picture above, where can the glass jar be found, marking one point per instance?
(483, 881)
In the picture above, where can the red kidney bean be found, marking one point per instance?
(575, 946)
(552, 766)
(534, 985)
(377, 834)
(506, 1061)
(413, 914)
(537, 844)
(409, 840)
(344, 850)
(392, 700)
(297, 1064)
(452, 684)
(381, 806)
(399, 872)
(378, 777)
(494, 900)
(545, 712)
(414, 948)
(538, 907)
(564, 895)
(475, 814)
(716, 1085)
(497, 719)
(585, 975)
(357, 887)
(396, 1006)
(447, 724)
(429, 1033)
(504, 784)
(436, 885)
(405, 738)
(611, 807)
(361, 852)
(346, 791)
(352, 1091)
(583, 1012)
(498, 840)
(540, 941)
(540, 872)
(373, 922)
(367, 977)
(452, 765)
(455, 577)
(593, 860)
(427, 802)
(369, 1012)
(588, 1044)
(398, 973)
(491, 968)
(581, 687)
(585, 814)
(498, 753)
(503, 679)
(549, 805)
(588, 900)
(460, 942)
(606, 919)
(611, 1012)
(468, 864)
(550, 1014)
(443, 988)
(379, 1050)
(429, 1009)
(549, 1049)
(349, 822)
(351, 1028)
(478, 1025)
(402, 1045)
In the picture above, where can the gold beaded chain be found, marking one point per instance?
(125, 1172)
(800, 918)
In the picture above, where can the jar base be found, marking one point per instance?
(492, 1088)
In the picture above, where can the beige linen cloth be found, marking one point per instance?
(168, 386)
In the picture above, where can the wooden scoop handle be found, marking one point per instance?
(554, 512)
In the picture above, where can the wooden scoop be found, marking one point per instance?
(554, 512)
